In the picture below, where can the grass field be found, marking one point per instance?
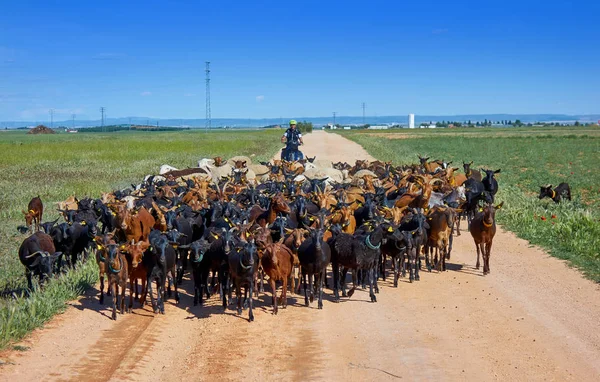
(85, 164)
(528, 158)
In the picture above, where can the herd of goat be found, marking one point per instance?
(232, 230)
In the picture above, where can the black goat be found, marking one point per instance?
(357, 252)
(37, 254)
(243, 268)
(562, 191)
(314, 255)
(200, 267)
(160, 263)
(489, 182)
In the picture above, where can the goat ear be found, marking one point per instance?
(24, 213)
(499, 206)
(497, 171)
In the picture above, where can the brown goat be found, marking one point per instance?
(439, 237)
(135, 252)
(293, 240)
(277, 261)
(134, 225)
(483, 229)
(116, 271)
(35, 210)
(101, 252)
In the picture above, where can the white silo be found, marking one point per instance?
(411, 121)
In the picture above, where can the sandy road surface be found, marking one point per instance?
(532, 318)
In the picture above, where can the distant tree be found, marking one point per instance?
(458, 124)
(556, 124)
(305, 127)
(518, 122)
(470, 122)
(576, 123)
(529, 124)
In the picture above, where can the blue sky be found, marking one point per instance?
(272, 59)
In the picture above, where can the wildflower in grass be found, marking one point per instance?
(543, 218)
(553, 216)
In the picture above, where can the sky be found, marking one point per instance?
(272, 59)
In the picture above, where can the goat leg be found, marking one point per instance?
(477, 264)
(321, 276)
(395, 266)
(416, 265)
(101, 289)
(336, 282)
(250, 314)
(274, 299)
(115, 292)
(486, 261)
(304, 279)
(284, 293)
(238, 296)
(371, 282)
(123, 288)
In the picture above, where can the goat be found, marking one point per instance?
(489, 182)
(562, 191)
(314, 255)
(470, 173)
(200, 267)
(483, 229)
(358, 252)
(439, 236)
(116, 271)
(37, 253)
(101, 252)
(277, 261)
(243, 268)
(35, 211)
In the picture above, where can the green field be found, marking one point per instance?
(528, 158)
(86, 164)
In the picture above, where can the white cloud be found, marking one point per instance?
(260, 98)
(145, 94)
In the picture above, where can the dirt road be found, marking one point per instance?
(532, 318)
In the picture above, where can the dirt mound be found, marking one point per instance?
(41, 129)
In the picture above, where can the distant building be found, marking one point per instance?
(381, 127)
(411, 121)
(347, 128)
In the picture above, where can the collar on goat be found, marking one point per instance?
(553, 194)
(114, 270)
(488, 225)
(369, 245)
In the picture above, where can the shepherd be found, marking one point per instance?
(292, 138)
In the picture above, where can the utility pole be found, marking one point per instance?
(51, 111)
(129, 123)
(334, 113)
(364, 105)
(208, 117)
(73, 121)
(102, 110)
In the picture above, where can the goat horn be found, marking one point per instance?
(34, 254)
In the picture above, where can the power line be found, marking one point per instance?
(51, 111)
(364, 105)
(334, 113)
(73, 121)
(208, 117)
(102, 110)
